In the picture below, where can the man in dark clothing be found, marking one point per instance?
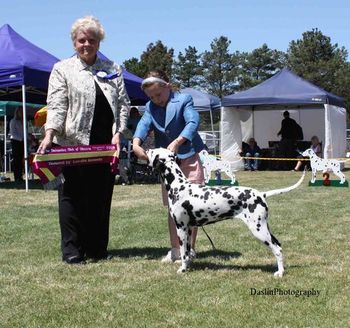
(289, 136)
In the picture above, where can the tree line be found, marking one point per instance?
(219, 72)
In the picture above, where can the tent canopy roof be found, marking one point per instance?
(203, 101)
(8, 108)
(22, 62)
(284, 88)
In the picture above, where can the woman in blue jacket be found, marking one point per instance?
(175, 123)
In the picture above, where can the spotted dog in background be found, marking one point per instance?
(211, 163)
(192, 205)
(323, 164)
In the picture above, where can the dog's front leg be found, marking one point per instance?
(185, 248)
(232, 176)
(313, 176)
(208, 175)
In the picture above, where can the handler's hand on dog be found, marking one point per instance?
(138, 150)
(174, 146)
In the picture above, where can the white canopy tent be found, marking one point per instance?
(258, 111)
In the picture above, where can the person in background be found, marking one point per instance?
(316, 147)
(134, 118)
(87, 105)
(175, 123)
(17, 144)
(252, 150)
(289, 137)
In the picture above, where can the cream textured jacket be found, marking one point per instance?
(71, 98)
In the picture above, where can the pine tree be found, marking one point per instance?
(187, 69)
(219, 71)
(259, 65)
(158, 56)
(136, 67)
(316, 59)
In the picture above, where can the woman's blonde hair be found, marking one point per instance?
(159, 76)
(87, 23)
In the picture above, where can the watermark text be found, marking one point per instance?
(285, 292)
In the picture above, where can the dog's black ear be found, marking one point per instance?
(155, 161)
(158, 164)
(177, 160)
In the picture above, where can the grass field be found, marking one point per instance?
(225, 288)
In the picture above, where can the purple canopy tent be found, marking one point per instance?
(24, 68)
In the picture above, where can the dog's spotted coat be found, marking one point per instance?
(211, 163)
(193, 205)
(323, 164)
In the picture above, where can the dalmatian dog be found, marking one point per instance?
(193, 205)
(322, 164)
(211, 163)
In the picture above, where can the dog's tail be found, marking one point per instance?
(284, 190)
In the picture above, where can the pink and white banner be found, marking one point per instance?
(48, 167)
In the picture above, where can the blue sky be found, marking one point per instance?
(131, 25)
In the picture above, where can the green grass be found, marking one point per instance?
(136, 290)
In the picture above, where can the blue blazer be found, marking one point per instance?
(181, 119)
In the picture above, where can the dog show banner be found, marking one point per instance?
(48, 167)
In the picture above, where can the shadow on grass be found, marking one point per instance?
(219, 254)
(158, 252)
(220, 266)
(151, 253)
(32, 184)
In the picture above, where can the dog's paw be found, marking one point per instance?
(181, 270)
(278, 274)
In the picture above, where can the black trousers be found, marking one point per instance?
(287, 149)
(18, 155)
(84, 208)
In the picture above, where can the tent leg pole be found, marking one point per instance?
(212, 129)
(5, 144)
(25, 135)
